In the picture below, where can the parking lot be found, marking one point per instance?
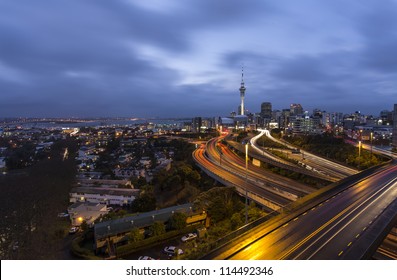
(156, 251)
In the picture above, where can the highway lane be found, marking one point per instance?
(265, 179)
(242, 185)
(322, 164)
(374, 149)
(326, 230)
(263, 152)
(265, 175)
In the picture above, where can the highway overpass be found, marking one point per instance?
(346, 220)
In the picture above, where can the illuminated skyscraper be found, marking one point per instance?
(242, 92)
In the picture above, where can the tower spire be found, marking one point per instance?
(242, 91)
(242, 74)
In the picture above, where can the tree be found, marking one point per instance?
(253, 212)
(135, 235)
(146, 200)
(236, 221)
(138, 182)
(195, 176)
(158, 228)
(177, 221)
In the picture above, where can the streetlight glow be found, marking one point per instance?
(246, 175)
(359, 154)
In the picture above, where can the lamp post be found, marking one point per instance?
(359, 154)
(372, 134)
(246, 178)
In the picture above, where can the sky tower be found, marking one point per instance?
(242, 91)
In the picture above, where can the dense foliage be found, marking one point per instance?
(335, 148)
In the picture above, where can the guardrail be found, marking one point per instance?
(291, 210)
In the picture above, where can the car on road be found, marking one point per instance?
(172, 251)
(145, 258)
(188, 237)
(73, 230)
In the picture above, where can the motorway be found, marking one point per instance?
(228, 160)
(337, 227)
(324, 166)
(245, 187)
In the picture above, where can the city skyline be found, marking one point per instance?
(176, 59)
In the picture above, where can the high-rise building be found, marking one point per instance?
(266, 113)
(266, 110)
(196, 124)
(284, 120)
(394, 142)
(296, 109)
(242, 93)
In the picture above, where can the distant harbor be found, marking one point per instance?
(75, 123)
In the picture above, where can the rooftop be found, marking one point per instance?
(108, 191)
(125, 224)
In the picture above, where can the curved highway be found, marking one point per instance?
(273, 201)
(228, 160)
(325, 166)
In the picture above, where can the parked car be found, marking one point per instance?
(172, 251)
(73, 230)
(63, 215)
(188, 237)
(144, 258)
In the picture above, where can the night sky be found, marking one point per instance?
(174, 58)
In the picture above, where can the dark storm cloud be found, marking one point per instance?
(72, 61)
(378, 26)
(127, 58)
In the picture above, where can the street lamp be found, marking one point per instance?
(359, 154)
(372, 134)
(246, 178)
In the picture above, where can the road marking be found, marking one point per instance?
(296, 218)
(350, 243)
(314, 208)
(353, 206)
(357, 235)
(320, 205)
(327, 200)
(285, 225)
(370, 222)
(313, 233)
(340, 253)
